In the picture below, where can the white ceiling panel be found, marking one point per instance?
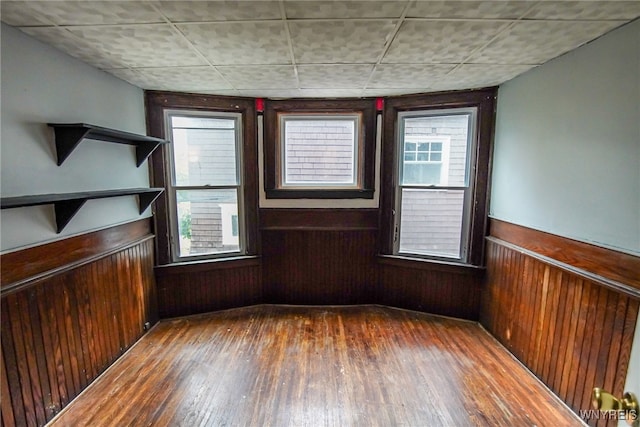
(334, 75)
(469, 76)
(330, 48)
(469, 9)
(201, 11)
(261, 76)
(175, 78)
(339, 42)
(407, 75)
(437, 42)
(271, 93)
(553, 38)
(154, 45)
(585, 10)
(232, 43)
(331, 93)
(78, 12)
(64, 40)
(343, 9)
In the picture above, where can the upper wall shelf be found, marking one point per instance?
(69, 135)
(68, 204)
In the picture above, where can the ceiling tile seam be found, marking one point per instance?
(503, 30)
(191, 45)
(283, 17)
(399, 24)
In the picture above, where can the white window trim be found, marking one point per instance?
(307, 185)
(173, 188)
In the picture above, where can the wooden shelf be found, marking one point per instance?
(68, 204)
(69, 135)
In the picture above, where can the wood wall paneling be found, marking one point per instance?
(431, 290)
(573, 332)
(204, 287)
(66, 325)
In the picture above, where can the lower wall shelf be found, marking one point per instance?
(67, 205)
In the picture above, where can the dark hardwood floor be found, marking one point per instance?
(317, 366)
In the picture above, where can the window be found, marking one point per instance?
(205, 184)
(434, 185)
(436, 157)
(317, 149)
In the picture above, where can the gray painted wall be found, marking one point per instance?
(567, 150)
(567, 147)
(41, 85)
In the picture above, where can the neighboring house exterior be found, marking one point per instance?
(322, 152)
(432, 219)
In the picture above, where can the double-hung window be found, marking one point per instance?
(205, 185)
(435, 166)
(434, 187)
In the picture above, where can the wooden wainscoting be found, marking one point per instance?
(319, 256)
(67, 315)
(430, 287)
(558, 313)
(200, 287)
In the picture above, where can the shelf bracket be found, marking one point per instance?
(145, 199)
(67, 139)
(65, 211)
(144, 150)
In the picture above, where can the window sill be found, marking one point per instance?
(207, 265)
(430, 264)
(318, 194)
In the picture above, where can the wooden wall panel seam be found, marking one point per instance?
(65, 329)
(35, 279)
(602, 281)
(571, 331)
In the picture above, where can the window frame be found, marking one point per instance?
(466, 188)
(156, 103)
(172, 187)
(365, 159)
(479, 170)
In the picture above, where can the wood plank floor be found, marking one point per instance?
(317, 366)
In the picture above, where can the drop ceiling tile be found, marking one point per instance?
(232, 43)
(25, 13)
(394, 91)
(407, 75)
(261, 76)
(586, 10)
(469, 9)
(199, 11)
(154, 45)
(185, 79)
(438, 42)
(334, 75)
(343, 9)
(74, 46)
(339, 42)
(535, 42)
(331, 93)
(272, 93)
(469, 76)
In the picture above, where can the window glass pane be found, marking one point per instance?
(206, 221)
(453, 147)
(204, 154)
(409, 146)
(422, 173)
(319, 151)
(431, 222)
(423, 157)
